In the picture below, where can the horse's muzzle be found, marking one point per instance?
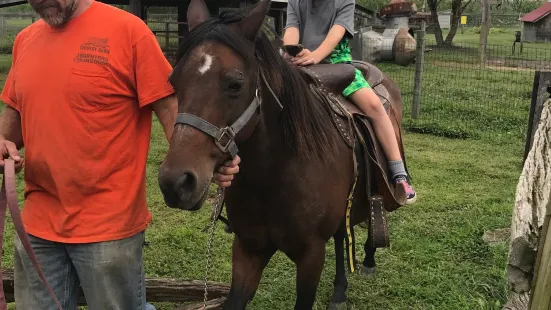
(179, 190)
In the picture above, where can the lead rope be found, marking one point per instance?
(214, 217)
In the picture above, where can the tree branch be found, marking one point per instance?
(465, 6)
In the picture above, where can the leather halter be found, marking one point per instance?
(228, 132)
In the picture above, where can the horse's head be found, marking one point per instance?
(216, 82)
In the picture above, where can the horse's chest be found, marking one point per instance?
(288, 228)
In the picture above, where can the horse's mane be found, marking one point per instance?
(306, 122)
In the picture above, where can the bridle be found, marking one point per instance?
(227, 132)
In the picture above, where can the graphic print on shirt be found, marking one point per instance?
(94, 51)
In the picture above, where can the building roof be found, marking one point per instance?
(537, 14)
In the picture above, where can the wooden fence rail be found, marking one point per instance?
(157, 290)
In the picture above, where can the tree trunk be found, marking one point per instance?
(457, 10)
(456, 15)
(532, 199)
(433, 6)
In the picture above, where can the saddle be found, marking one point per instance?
(356, 129)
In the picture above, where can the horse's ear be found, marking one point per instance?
(251, 24)
(197, 13)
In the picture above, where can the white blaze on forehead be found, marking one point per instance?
(207, 64)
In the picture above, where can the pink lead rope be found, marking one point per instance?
(8, 199)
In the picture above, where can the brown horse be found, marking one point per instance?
(237, 94)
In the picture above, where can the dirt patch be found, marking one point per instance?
(496, 236)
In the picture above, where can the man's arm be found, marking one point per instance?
(166, 110)
(10, 126)
(11, 136)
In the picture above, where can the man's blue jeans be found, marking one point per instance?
(111, 274)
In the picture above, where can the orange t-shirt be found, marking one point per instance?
(82, 93)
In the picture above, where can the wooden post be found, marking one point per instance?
(484, 30)
(3, 26)
(540, 93)
(136, 8)
(419, 63)
(167, 36)
(541, 296)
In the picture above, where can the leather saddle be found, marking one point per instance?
(357, 131)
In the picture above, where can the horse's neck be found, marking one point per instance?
(267, 136)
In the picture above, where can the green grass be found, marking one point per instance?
(497, 36)
(437, 259)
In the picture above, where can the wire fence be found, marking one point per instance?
(501, 20)
(460, 97)
(463, 98)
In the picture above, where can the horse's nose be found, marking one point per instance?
(186, 184)
(176, 190)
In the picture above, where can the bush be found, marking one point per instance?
(492, 30)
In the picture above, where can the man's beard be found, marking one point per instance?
(53, 14)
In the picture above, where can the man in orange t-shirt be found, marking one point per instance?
(80, 94)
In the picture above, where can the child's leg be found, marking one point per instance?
(369, 103)
(364, 97)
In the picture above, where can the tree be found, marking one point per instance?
(457, 9)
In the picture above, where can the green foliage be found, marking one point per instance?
(476, 30)
(373, 4)
(21, 8)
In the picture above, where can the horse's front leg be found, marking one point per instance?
(309, 268)
(247, 268)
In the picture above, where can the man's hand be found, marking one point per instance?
(224, 175)
(306, 57)
(8, 149)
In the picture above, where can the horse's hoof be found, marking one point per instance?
(369, 271)
(337, 306)
(228, 229)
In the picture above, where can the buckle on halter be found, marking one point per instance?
(226, 131)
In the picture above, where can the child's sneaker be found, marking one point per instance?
(403, 180)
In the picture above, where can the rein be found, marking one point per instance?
(8, 199)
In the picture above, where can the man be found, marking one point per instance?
(323, 27)
(80, 94)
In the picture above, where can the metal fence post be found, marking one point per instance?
(357, 45)
(167, 36)
(419, 62)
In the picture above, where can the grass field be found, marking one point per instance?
(497, 36)
(437, 259)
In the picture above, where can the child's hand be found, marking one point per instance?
(306, 57)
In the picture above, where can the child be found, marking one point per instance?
(323, 28)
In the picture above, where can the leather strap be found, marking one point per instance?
(8, 199)
(218, 134)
